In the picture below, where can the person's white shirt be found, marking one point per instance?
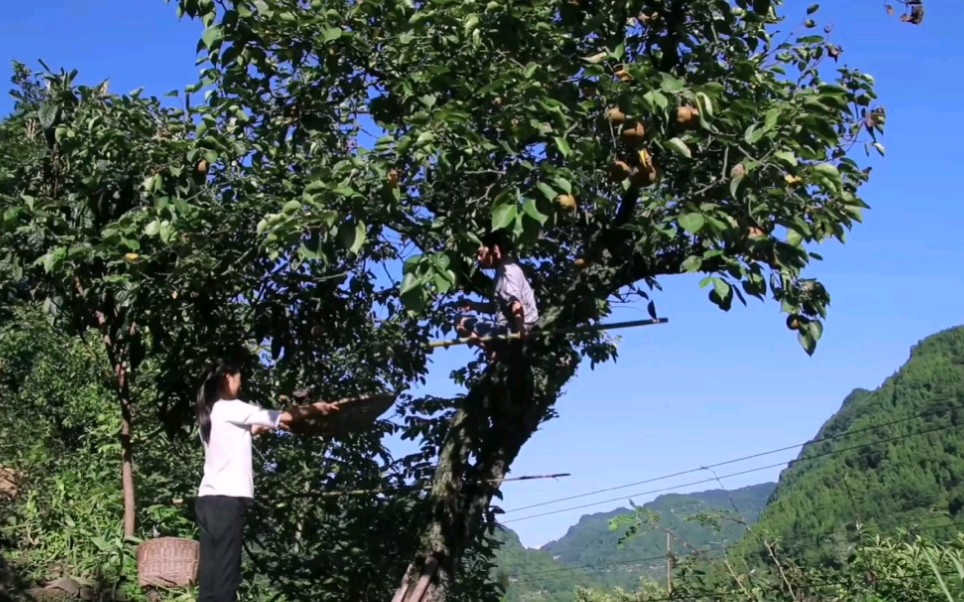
(227, 454)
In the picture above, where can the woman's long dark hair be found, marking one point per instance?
(210, 393)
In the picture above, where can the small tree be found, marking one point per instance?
(109, 221)
(617, 141)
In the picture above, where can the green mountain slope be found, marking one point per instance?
(904, 469)
(589, 554)
(533, 576)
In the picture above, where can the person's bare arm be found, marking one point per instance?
(259, 428)
(303, 412)
(518, 316)
(260, 420)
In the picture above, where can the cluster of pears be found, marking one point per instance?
(643, 172)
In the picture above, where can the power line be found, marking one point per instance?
(665, 477)
(727, 476)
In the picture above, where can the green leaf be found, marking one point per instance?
(529, 208)
(330, 34)
(761, 7)
(670, 84)
(291, 207)
(771, 119)
(752, 135)
(547, 191)
(806, 341)
(305, 253)
(563, 184)
(704, 104)
(816, 329)
(563, 146)
(692, 264)
(680, 147)
(828, 170)
(211, 36)
(47, 114)
(596, 58)
(315, 187)
(722, 294)
(880, 148)
(152, 228)
(424, 138)
(735, 185)
(813, 8)
(794, 238)
(655, 100)
(691, 222)
(787, 157)
(166, 231)
(503, 215)
(352, 236)
(470, 22)
(619, 51)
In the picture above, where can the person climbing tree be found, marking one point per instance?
(514, 303)
(226, 492)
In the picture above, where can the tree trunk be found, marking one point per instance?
(127, 452)
(497, 417)
(503, 410)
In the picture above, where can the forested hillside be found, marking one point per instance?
(589, 554)
(890, 458)
(531, 575)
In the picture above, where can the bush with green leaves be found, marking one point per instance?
(58, 429)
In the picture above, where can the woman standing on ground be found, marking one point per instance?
(227, 488)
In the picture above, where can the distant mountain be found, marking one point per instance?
(903, 466)
(533, 576)
(589, 554)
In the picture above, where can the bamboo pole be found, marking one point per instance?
(539, 333)
(416, 487)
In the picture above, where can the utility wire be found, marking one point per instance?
(665, 477)
(731, 475)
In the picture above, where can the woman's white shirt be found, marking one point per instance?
(227, 455)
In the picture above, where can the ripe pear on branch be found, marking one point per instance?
(645, 173)
(615, 116)
(634, 133)
(688, 117)
(796, 322)
(567, 202)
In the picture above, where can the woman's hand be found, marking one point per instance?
(325, 408)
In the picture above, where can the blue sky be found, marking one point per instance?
(708, 386)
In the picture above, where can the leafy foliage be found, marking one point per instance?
(58, 429)
(880, 570)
